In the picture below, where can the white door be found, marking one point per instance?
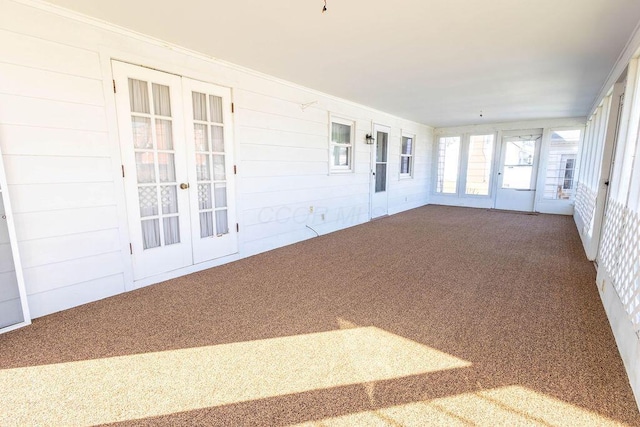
(380, 171)
(14, 311)
(209, 136)
(518, 173)
(168, 169)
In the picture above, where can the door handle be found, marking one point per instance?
(184, 186)
(606, 183)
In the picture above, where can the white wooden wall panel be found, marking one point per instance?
(42, 141)
(59, 134)
(47, 197)
(27, 51)
(58, 249)
(41, 225)
(18, 110)
(44, 303)
(36, 83)
(52, 276)
(54, 169)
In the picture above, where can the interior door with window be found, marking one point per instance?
(380, 172)
(518, 173)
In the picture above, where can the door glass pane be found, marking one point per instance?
(201, 137)
(161, 100)
(166, 167)
(206, 224)
(142, 132)
(150, 233)
(171, 230)
(518, 164)
(139, 96)
(169, 197)
(202, 167)
(164, 134)
(219, 173)
(381, 177)
(204, 196)
(381, 144)
(199, 106)
(448, 161)
(220, 191)
(148, 200)
(217, 138)
(216, 108)
(222, 223)
(10, 303)
(479, 164)
(145, 167)
(559, 178)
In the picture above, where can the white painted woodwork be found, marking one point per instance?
(14, 309)
(518, 195)
(167, 255)
(60, 135)
(380, 160)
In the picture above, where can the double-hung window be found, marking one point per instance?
(406, 156)
(341, 145)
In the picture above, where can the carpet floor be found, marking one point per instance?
(435, 316)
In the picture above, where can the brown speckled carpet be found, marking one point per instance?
(436, 316)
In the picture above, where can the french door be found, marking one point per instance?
(379, 172)
(518, 173)
(175, 138)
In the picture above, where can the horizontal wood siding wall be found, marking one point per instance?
(58, 134)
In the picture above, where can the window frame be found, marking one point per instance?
(493, 164)
(437, 162)
(411, 155)
(350, 167)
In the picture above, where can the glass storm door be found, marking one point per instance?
(379, 194)
(14, 311)
(151, 125)
(518, 172)
(209, 146)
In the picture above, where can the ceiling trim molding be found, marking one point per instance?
(108, 26)
(631, 49)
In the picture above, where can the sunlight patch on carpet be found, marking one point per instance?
(153, 384)
(502, 406)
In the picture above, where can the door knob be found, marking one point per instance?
(184, 186)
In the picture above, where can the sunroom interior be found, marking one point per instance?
(313, 183)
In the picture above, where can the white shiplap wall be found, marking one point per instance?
(58, 133)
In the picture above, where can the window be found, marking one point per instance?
(341, 145)
(479, 165)
(561, 164)
(448, 161)
(406, 156)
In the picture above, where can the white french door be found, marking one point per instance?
(176, 179)
(518, 173)
(380, 172)
(209, 138)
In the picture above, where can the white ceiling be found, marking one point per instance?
(438, 62)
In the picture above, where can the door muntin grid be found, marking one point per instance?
(211, 174)
(153, 146)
